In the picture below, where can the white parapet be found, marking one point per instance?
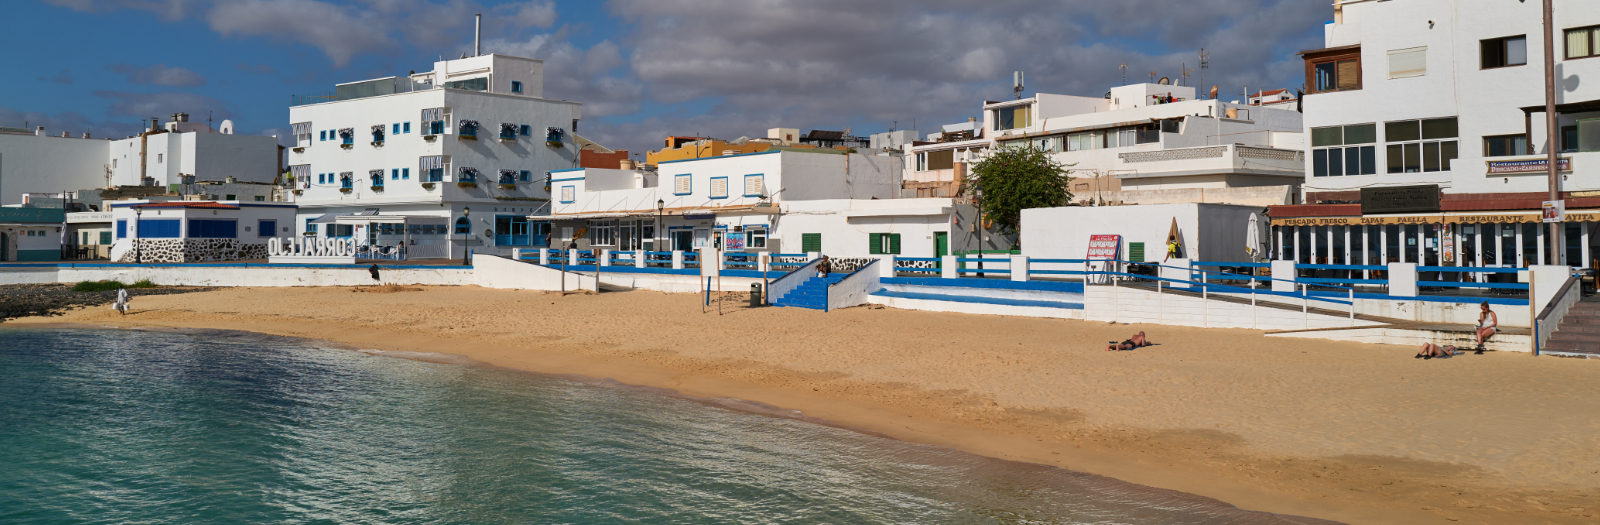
(605, 258)
(544, 256)
(1283, 276)
(677, 259)
(1177, 270)
(948, 268)
(1019, 268)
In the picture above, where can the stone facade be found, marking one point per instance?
(193, 250)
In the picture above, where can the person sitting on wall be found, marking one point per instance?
(1138, 340)
(824, 267)
(1488, 325)
(1430, 351)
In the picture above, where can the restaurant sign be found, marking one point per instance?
(1513, 167)
(1400, 199)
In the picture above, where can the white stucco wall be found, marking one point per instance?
(33, 164)
(1210, 232)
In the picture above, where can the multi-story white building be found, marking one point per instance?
(162, 156)
(778, 201)
(1140, 144)
(1428, 137)
(471, 142)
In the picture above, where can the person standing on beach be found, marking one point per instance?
(121, 306)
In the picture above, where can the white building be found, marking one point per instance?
(161, 156)
(473, 137)
(1443, 101)
(191, 231)
(777, 201)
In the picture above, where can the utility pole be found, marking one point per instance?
(1205, 62)
(1551, 125)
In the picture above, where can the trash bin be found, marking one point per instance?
(755, 295)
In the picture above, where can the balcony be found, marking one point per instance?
(1225, 159)
(363, 89)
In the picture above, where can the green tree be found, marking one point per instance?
(1017, 178)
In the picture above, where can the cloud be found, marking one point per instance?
(259, 69)
(159, 75)
(591, 76)
(169, 10)
(58, 78)
(145, 105)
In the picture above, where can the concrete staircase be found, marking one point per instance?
(1579, 333)
(812, 293)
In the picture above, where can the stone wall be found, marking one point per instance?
(193, 250)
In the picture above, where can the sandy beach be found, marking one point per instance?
(1342, 431)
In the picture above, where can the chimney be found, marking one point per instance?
(39, 132)
(155, 123)
(477, 34)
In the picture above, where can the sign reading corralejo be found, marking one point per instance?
(1507, 167)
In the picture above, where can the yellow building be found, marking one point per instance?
(680, 148)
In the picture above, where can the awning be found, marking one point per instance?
(386, 219)
(1507, 217)
(325, 219)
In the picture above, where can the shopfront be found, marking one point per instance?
(1495, 239)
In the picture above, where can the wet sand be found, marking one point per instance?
(1341, 431)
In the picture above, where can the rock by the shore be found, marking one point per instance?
(46, 300)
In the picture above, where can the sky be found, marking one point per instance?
(644, 69)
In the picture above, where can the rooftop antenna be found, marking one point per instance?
(208, 118)
(1016, 83)
(1205, 62)
(1152, 76)
(1185, 72)
(477, 33)
(1124, 68)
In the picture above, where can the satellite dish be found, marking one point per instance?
(1164, 81)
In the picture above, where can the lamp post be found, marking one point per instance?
(466, 212)
(137, 257)
(661, 211)
(977, 194)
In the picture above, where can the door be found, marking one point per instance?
(5, 246)
(941, 247)
(625, 235)
(372, 235)
(682, 240)
(702, 238)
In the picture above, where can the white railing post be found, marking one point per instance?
(677, 259)
(722, 259)
(1253, 322)
(640, 257)
(1019, 268)
(516, 254)
(1205, 318)
(1305, 307)
(544, 256)
(886, 268)
(572, 257)
(1161, 305)
(1352, 307)
(948, 269)
(605, 258)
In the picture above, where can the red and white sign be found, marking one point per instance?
(1104, 247)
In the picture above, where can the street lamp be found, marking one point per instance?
(137, 257)
(977, 195)
(661, 210)
(465, 213)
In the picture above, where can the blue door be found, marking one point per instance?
(511, 230)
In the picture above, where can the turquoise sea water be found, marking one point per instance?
(104, 426)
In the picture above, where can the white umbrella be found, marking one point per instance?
(1252, 237)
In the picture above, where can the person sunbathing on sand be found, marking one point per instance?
(1136, 341)
(1430, 351)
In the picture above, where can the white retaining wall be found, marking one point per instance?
(975, 308)
(1136, 305)
(236, 276)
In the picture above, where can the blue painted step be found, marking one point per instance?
(812, 293)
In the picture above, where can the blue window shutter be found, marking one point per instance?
(407, 127)
(122, 229)
(323, 135)
(405, 173)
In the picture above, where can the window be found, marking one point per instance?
(940, 160)
(394, 173)
(1569, 139)
(432, 168)
(405, 173)
(158, 229)
(265, 228)
(1336, 73)
(567, 194)
(348, 135)
(1504, 52)
(377, 178)
(1583, 42)
(516, 87)
(1012, 118)
(603, 233)
(508, 177)
(230, 197)
(323, 134)
(1419, 147)
(756, 237)
(755, 185)
(467, 174)
(122, 228)
(810, 242)
(396, 129)
(471, 84)
(346, 180)
(160, 157)
(213, 229)
(1086, 141)
(1405, 63)
(105, 237)
(311, 229)
(302, 134)
(719, 187)
(1344, 150)
(261, 198)
(405, 127)
(511, 230)
(681, 184)
(341, 230)
(883, 243)
(113, 163)
(508, 131)
(525, 176)
(1505, 146)
(526, 130)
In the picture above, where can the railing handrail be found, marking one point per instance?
(1192, 270)
(1566, 287)
(1303, 294)
(1469, 269)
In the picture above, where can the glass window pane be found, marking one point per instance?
(1516, 51)
(1413, 158)
(1319, 163)
(1447, 153)
(1325, 76)
(1361, 134)
(1430, 156)
(1496, 146)
(1396, 159)
(1369, 160)
(1577, 43)
(1332, 136)
(1439, 128)
(1402, 131)
(1335, 162)
(1352, 161)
